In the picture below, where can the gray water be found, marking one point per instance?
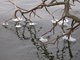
(11, 48)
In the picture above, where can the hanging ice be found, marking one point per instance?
(18, 26)
(21, 19)
(66, 20)
(18, 19)
(53, 21)
(15, 20)
(43, 40)
(5, 23)
(61, 22)
(32, 24)
(71, 39)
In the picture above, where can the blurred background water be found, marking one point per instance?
(11, 48)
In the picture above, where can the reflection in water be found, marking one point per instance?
(29, 32)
